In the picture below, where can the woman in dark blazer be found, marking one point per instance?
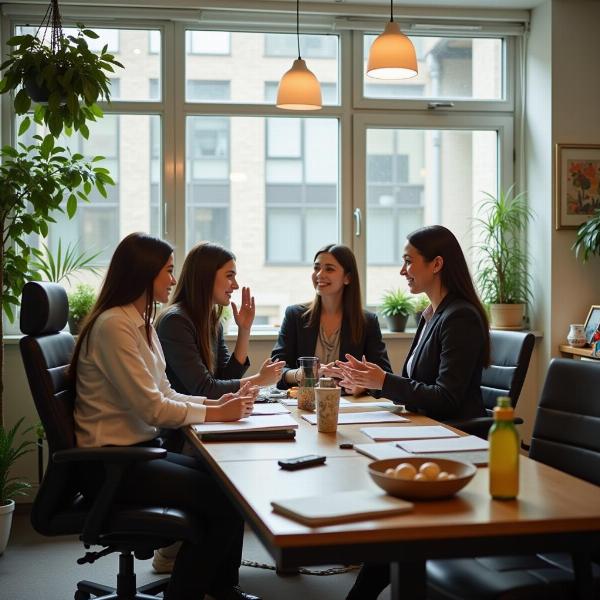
(442, 373)
(333, 325)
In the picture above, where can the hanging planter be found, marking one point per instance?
(63, 76)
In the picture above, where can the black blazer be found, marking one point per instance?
(186, 371)
(446, 376)
(297, 339)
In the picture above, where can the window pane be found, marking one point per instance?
(272, 211)
(422, 177)
(468, 68)
(255, 62)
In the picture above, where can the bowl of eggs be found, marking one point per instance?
(421, 478)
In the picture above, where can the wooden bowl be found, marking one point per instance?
(422, 490)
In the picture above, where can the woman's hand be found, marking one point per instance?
(361, 374)
(244, 317)
(330, 370)
(248, 389)
(232, 410)
(270, 372)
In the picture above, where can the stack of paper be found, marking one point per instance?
(408, 432)
(455, 444)
(375, 416)
(251, 423)
(270, 408)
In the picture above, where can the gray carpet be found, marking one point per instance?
(38, 568)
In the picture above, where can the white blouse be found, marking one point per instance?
(123, 396)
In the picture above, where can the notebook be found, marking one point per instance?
(270, 408)
(384, 450)
(383, 434)
(341, 507)
(456, 444)
(251, 423)
(375, 416)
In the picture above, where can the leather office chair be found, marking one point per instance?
(510, 353)
(59, 508)
(566, 436)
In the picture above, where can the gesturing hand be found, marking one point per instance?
(361, 374)
(244, 316)
(232, 410)
(270, 372)
(248, 389)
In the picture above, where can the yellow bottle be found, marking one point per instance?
(504, 452)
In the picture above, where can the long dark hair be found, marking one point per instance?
(194, 293)
(351, 300)
(136, 262)
(436, 240)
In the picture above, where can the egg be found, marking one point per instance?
(405, 471)
(451, 476)
(390, 471)
(442, 475)
(420, 477)
(430, 470)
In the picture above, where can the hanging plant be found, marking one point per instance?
(64, 75)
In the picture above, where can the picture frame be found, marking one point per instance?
(577, 183)
(592, 323)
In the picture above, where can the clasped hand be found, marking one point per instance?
(360, 374)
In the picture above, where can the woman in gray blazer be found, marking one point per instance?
(333, 325)
(442, 373)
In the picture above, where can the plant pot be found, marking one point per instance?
(6, 513)
(74, 325)
(397, 322)
(507, 316)
(39, 93)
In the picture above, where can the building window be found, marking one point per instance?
(311, 46)
(208, 42)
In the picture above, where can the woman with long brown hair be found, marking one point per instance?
(333, 324)
(191, 334)
(442, 373)
(123, 398)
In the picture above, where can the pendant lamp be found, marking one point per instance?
(392, 54)
(299, 89)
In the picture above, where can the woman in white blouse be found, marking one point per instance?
(123, 398)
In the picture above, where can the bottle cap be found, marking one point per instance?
(503, 411)
(503, 402)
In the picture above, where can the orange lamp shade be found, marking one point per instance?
(392, 55)
(299, 89)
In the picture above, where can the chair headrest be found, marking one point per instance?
(44, 308)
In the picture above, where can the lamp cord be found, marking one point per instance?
(392, 10)
(298, 26)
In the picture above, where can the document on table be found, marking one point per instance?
(270, 408)
(408, 432)
(339, 507)
(251, 423)
(455, 444)
(384, 450)
(375, 416)
(294, 402)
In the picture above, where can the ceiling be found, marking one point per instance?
(497, 4)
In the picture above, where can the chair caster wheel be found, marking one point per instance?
(80, 595)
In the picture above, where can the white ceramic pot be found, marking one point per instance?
(576, 335)
(6, 513)
(507, 316)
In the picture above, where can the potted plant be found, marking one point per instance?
(421, 302)
(66, 75)
(587, 241)
(396, 306)
(81, 300)
(10, 487)
(502, 275)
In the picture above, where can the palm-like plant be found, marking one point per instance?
(10, 452)
(61, 266)
(502, 267)
(587, 241)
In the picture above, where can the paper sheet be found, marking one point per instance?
(251, 423)
(375, 416)
(408, 432)
(456, 444)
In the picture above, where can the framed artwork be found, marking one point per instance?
(592, 323)
(577, 173)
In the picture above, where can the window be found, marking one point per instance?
(274, 186)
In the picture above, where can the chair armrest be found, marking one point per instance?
(109, 454)
(116, 461)
(479, 426)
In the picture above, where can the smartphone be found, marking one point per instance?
(301, 462)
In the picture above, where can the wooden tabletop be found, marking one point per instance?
(569, 351)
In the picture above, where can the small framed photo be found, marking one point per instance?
(592, 324)
(577, 183)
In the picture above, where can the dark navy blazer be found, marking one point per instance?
(445, 382)
(297, 339)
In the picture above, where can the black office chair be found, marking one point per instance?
(566, 436)
(59, 508)
(510, 353)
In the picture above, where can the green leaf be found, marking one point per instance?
(22, 102)
(71, 206)
(25, 123)
(91, 34)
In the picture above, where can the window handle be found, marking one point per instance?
(357, 221)
(434, 105)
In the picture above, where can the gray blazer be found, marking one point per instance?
(185, 369)
(445, 382)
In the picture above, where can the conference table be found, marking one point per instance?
(554, 511)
